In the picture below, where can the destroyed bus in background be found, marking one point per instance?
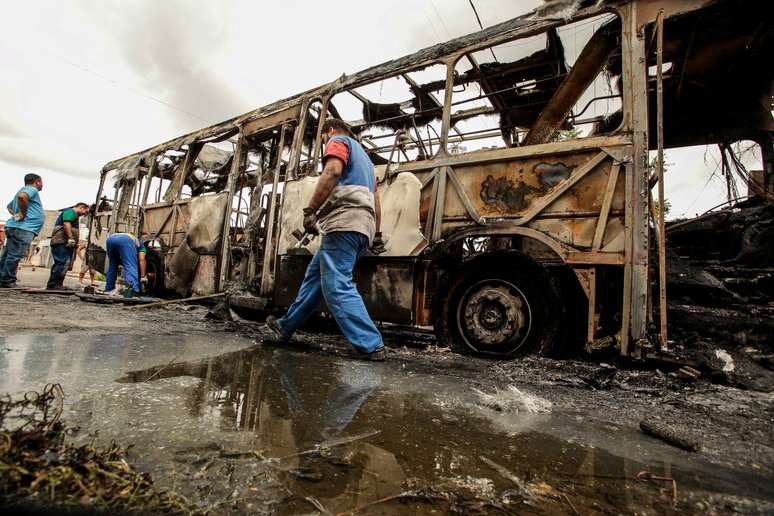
(518, 202)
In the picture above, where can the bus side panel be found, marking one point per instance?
(386, 285)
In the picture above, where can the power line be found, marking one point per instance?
(478, 19)
(443, 24)
(432, 26)
(133, 90)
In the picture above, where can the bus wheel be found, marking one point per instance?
(500, 308)
(154, 269)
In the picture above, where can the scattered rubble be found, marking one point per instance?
(668, 435)
(40, 470)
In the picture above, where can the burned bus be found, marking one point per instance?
(518, 201)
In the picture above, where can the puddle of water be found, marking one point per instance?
(276, 430)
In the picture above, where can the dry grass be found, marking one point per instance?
(39, 468)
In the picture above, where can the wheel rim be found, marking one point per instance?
(494, 316)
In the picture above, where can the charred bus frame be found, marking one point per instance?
(501, 249)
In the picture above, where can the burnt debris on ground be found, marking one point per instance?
(721, 291)
(428, 400)
(41, 470)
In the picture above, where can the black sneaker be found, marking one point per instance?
(273, 325)
(377, 355)
(8, 285)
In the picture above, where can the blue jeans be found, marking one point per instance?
(314, 421)
(62, 256)
(122, 251)
(329, 275)
(17, 243)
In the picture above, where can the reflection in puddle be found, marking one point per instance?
(318, 432)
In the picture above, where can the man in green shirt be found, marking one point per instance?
(64, 238)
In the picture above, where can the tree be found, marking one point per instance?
(652, 169)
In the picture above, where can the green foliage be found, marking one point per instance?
(456, 148)
(652, 165)
(667, 206)
(569, 134)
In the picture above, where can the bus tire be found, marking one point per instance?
(154, 269)
(501, 305)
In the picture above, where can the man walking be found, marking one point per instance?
(64, 238)
(26, 221)
(126, 250)
(346, 206)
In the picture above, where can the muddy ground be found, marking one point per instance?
(234, 422)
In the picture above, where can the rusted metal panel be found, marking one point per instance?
(510, 188)
(156, 222)
(661, 233)
(386, 285)
(607, 203)
(640, 289)
(152, 172)
(575, 232)
(595, 257)
(425, 287)
(516, 190)
(635, 108)
(169, 222)
(269, 252)
(499, 155)
(271, 121)
(290, 275)
(237, 167)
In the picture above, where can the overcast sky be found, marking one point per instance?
(88, 81)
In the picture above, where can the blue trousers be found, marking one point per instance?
(62, 256)
(122, 251)
(313, 420)
(17, 243)
(329, 276)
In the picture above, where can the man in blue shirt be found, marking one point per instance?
(25, 223)
(346, 207)
(64, 238)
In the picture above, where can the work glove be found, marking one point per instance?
(18, 217)
(144, 284)
(71, 242)
(310, 221)
(378, 244)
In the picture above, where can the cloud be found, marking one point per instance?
(172, 47)
(34, 155)
(8, 129)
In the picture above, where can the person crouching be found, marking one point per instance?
(126, 250)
